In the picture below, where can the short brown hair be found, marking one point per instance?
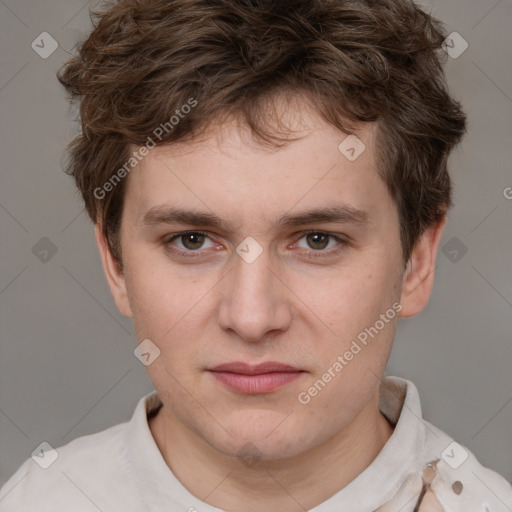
(358, 61)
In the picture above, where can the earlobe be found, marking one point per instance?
(418, 277)
(114, 273)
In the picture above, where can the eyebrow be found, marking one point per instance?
(172, 215)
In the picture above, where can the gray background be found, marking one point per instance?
(67, 367)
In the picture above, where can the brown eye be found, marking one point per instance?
(317, 241)
(189, 242)
(192, 241)
(320, 244)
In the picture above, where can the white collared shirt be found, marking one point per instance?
(122, 470)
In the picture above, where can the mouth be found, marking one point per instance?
(255, 379)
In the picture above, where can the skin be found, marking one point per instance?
(286, 306)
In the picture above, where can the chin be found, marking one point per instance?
(259, 439)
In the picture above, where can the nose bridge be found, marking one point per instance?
(252, 304)
(252, 279)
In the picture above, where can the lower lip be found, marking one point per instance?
(255, 384)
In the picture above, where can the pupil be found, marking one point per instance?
(193, 240)
(318, 239)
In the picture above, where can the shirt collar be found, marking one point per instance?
(399, 458)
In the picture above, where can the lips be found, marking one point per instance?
(247, 369)
(255, 379)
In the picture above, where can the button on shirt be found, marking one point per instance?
(419, 469)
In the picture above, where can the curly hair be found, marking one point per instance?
(357, 61)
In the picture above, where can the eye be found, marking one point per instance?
(322, 242)
(189, 241)
(196, 243)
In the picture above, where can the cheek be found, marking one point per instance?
(350, 373)
(360, 308)
(161, 296)
(173, 311)
(355, 297)
(152, 301)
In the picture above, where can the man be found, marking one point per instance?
(269, 186)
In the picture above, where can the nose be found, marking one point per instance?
(254, 302)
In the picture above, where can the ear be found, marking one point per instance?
(114, 274)
(418, 278)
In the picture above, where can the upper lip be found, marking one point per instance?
(258, 369)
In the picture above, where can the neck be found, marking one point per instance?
(298, 483)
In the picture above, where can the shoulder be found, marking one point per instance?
(457, 481)
(445, 476)
(73, 477)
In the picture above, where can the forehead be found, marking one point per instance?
(228, 173)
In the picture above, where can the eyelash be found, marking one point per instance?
(342, 243)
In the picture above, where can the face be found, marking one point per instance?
(233, 252)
